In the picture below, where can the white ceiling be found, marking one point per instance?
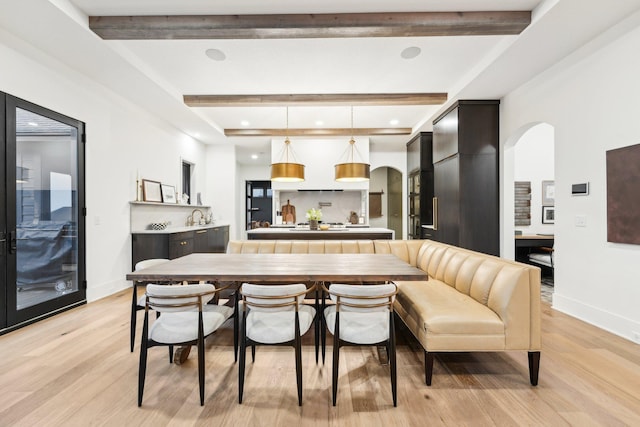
(156, 73)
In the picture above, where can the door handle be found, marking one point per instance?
(13, 242)
(3, 243)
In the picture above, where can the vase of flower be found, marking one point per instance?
(314, 215)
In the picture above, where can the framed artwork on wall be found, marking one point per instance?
(548, 214)
(548, 193)
(168, 193)
(151, 191)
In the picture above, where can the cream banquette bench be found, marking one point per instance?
(471, 302)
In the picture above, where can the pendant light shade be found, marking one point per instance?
(352, 171)
(287, 171)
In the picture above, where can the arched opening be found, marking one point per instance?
(529, 195)
(385, 189)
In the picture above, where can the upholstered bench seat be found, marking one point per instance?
(448, 319)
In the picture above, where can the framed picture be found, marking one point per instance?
(548, 214)
(168, 193)
(151, 191)
(548, 193)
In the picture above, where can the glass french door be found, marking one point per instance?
(42, 221)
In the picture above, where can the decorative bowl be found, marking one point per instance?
(324, 227)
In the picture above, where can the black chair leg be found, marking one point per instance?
(428, 366)
(317, 325)
(299, 370)
(534, 367)
(336, 356)
(142, 369)
(134, 310)
(253, 353)
(236, 322)
(391, 351)
(323, 329)
(243, 358)
(170, 354)
(201, 369)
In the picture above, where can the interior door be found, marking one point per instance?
(43, 213)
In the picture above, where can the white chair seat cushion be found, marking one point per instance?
(179, 327)
(359, 327)
(272, 327)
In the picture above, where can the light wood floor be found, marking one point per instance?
(75, 369)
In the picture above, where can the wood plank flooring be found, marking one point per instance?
(75, 369)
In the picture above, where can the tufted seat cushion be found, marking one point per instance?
(448, 319)
(179, 327)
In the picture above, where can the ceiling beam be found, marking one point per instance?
(349, 99)
(292, 26)
(318, 132)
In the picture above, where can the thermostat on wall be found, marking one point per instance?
(580, 189)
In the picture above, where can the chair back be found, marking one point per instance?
(177, 298)
(273, 297)
(363, 298)
(141, 265)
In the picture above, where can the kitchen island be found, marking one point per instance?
(297, 233)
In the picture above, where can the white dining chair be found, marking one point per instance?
(137, 303)
(361, 315)
(182, 322)
(274, 315)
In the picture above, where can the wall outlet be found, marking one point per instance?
(96, 220)
(635, 336)
(580, 220)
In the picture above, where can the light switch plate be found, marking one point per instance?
(581, 220)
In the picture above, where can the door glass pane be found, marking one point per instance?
(46, 208)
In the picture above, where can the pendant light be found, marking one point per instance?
(352, 171)
(286, 171)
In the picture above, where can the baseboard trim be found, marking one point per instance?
(595, 316)
(102, 290)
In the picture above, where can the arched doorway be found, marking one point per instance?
(529, 195)
(385, 185)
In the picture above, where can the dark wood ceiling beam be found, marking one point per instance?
(293, 132)
(349, 99)
(403, 24)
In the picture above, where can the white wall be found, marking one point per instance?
(225, 192)
(591, 101)
(121, 140)
(534, 162)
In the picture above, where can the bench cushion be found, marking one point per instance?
(448, 320)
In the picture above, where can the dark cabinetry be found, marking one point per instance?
(174, 245)
(420, 184)
(465, 174)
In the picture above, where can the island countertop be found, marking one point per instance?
(330, 234)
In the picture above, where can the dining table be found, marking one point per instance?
(281, 268)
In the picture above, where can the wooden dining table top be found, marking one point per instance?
(275, 268)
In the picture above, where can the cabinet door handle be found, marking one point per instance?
(435, 213)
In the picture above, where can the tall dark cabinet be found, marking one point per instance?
(420, 183)
(466, 177)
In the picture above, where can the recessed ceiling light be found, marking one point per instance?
(254, 156)
(394, 122)
(410, 52)
(33, 124)
(216, 54)
(319, 123)
(245, 123)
